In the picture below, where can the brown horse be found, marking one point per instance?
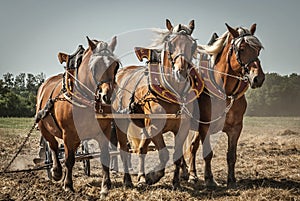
(68, 113)
(161, 88)
(222, 104)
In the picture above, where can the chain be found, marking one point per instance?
(20, 149)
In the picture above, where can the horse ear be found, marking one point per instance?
(231, 30)
(62, 57)
(192, 25)
(91, 43)
(253, 29)
(113, 43)
(169, 25)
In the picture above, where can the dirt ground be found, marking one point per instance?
(267, 168)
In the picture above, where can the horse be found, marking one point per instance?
(68, 112)
(235, 67)
(164, 87)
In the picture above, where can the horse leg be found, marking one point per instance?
(113, 147)
(233, 134)
(178, 153)
(103, 141)
(71, 144)
(207, 155)
(143, 149)
(124, 153)
(193, 178)
(159, 171)
(56, 167)
(184, 168)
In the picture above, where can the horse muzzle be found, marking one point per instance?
(255, 80)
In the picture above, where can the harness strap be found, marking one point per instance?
(125, 110)
(43, 113)
(131, 103)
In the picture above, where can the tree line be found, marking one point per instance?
(18, 94)
(279, 95)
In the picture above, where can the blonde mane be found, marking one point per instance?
(163, 35)
(222, 41)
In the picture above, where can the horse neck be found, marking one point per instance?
(224, 79)
(84, 75)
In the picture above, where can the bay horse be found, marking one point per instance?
(161, 88)
(69, 114)
(235, 67)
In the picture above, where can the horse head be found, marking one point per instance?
(243, 55)
(102, 68)
(179, 48)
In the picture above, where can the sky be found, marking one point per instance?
(34, 31)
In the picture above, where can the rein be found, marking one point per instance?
(234, 47)
(222, 73)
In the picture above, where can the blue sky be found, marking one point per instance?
(34, 31)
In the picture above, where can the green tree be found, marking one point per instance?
(18, 94)
(279, 96)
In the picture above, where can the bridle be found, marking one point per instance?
(235, 48)
(168, 47)
(103, 52)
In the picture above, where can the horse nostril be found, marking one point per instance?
(255, 80)
(105, 99)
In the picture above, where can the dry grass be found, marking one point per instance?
(268, 168)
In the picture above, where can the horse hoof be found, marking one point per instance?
(56, 174)
(154, 177)
(128, 185)
(211, 184)
(103, 193)
(193, 179)
(103, 196)
(69, 189)
(176, 186)
(231, 185)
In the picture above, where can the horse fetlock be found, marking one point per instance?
(68, 187)
(56, 173)
(231, 182)
(210, 183)
(154, 177)
(231, 185)
(193, 178)
(184, 175)
(176, 185)
(127, 181)
(106, 184)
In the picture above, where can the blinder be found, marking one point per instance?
(168, 48)
(234, 47)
